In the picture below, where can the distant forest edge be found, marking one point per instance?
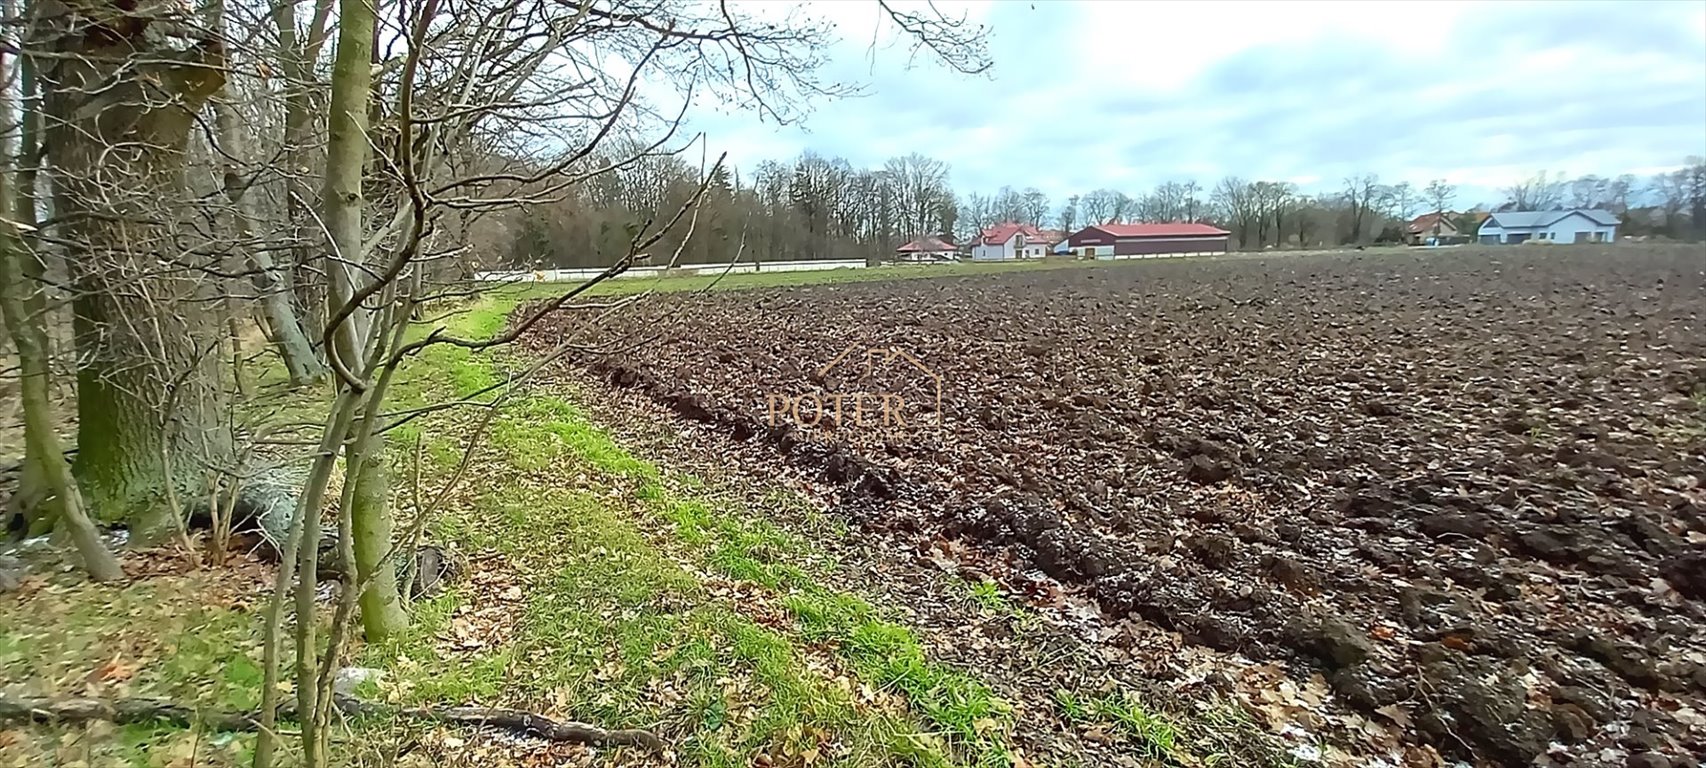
(818, 208)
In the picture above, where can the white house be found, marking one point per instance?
(1583, 225)
(926, 249)
(998, 243)
(1011, 240)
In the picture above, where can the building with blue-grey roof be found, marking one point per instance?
(1582, 225)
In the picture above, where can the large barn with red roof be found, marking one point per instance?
(1147, 241)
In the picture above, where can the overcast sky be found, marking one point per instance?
(1128, 94)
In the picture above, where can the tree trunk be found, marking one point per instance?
(44, 457)
(382, 613)
(301, 537)
(306, 284)
(234, 331)
(149, 392)
(33, 499)
(346, 159)
(40, 432)
(300, 360)
(273, 285)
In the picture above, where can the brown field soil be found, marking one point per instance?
(1463, 485)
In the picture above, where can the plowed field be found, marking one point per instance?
(1466, 485)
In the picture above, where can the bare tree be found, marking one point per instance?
(23, 313)
(978, 214)
(467, 108)
(1240, 207)
(1362, 197)
(818, 191)
(1191, 200)
(920, 184)
(1669, 193)
(1589, 192)
(1169, 202)
(1540, 192)
(1276, 201)
(1402, 198)
(1439, 194)
(1693, 183)
(29, 338)
(956, 42)
(1125, 207)
(1618, 191)
(1305, 219)
(298, 55)
(1009, 205)
(1033, 206)
(1068, 217)
(1100, 206)
(451, 88)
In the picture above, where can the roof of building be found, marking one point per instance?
(926, 245)
(1537, 219)
(1001, 233)
(1174, 229)
(1426, 221)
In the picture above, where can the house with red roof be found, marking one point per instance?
(1431, 226)
(927, 249)
(1012, 240)
(1145, 241)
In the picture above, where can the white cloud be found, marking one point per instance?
(1125, 95)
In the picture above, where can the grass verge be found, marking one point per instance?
(601, 588)
(705, 603)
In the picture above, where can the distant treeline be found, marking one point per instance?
(824, 208)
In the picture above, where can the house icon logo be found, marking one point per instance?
(864, 405)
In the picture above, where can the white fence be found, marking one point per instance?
(577, 275)
(1125, 256)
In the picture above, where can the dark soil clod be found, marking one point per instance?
(1479, 471)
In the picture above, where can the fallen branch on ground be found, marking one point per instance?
(119, 712)
(124, 711)
(539, 726)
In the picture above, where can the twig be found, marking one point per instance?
(123, 711)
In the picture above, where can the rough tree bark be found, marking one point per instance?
(18, 296)
(120, 101)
